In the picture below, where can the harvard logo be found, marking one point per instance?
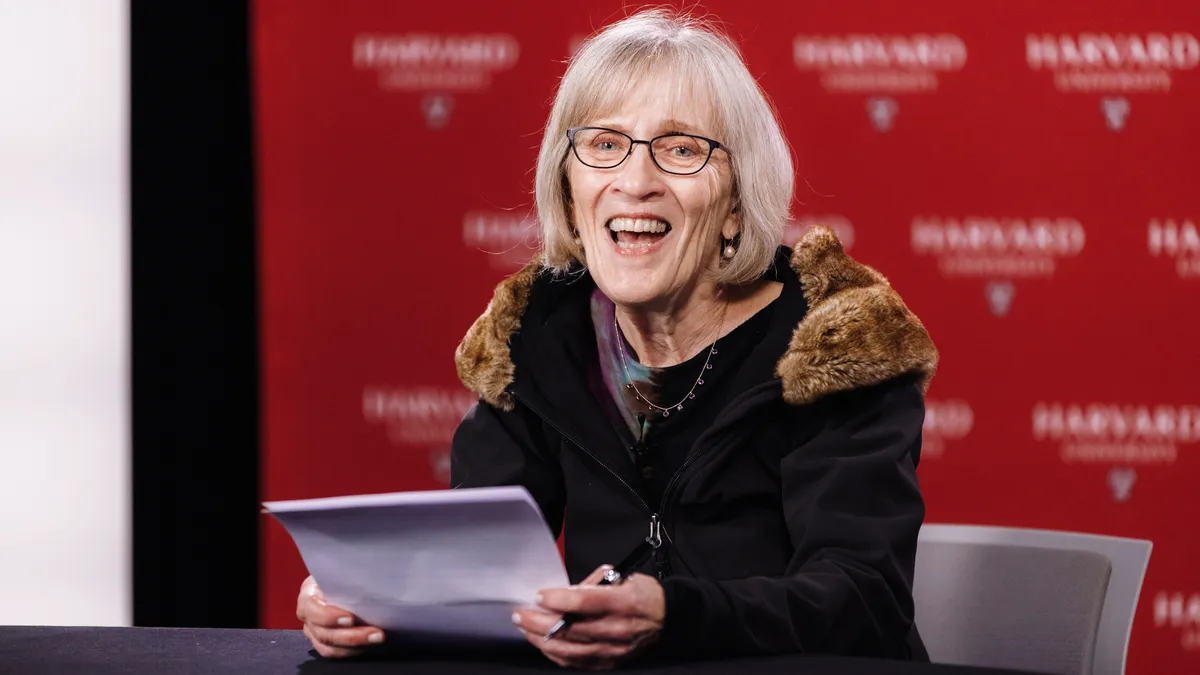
(882, 112)
(437, 109)
(433, 62)
(1000, 296)
(1120, 482)
(880, 63)
(1116, 110)
(439, 464)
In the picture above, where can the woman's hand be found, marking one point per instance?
(331, 629)
(619, 621)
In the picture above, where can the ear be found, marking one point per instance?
(731, 227)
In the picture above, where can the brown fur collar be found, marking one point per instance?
(857, 331)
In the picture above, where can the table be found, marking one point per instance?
(25, 650)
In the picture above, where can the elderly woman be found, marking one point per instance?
(665, 368)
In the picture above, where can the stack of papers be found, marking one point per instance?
(442, 563)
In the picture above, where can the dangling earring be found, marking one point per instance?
(729, 251)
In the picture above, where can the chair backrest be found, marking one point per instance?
(1039, 600)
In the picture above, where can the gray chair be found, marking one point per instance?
(1034, 600)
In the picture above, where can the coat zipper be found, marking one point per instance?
(662, 507)
(661, 565)
(585, 450)
(678, 475)
(662, 569)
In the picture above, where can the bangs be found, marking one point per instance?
(646, 71)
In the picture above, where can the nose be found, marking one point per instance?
(639, 177)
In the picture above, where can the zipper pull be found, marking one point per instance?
(662, 567)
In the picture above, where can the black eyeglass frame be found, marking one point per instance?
(713, 146)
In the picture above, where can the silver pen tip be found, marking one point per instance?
(554, 629)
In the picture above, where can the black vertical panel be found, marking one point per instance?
(195, 372)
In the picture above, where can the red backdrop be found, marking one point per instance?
(1024, 172)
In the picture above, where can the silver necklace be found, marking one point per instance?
(666, 412)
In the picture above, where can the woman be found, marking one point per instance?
(665, 368)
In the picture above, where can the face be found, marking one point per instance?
(649, 236)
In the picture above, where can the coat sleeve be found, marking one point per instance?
(853, 509)
(493, 447)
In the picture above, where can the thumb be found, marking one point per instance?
(596, 576)
(312, 590)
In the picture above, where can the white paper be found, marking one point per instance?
(441, 563)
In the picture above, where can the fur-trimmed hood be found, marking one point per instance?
(857, 331)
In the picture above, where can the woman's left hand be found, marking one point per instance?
(619, 621)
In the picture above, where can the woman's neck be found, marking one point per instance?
(670, 336)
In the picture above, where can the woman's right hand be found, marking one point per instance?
(331, 629)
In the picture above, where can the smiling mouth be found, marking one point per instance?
(637, 234)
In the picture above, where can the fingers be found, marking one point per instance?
(328, 650)
(312, 609)
(613, 624)
(612, 629)
(605, 636)
(593, 655)
(616, 629)
(309, 592)
(588, 600)
(596, 576)
(342, 642)
(541, 622)
(535, 621)
(345, 638)
(332, 630)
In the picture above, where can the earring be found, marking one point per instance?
(729, 251)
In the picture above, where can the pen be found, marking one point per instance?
(616, 575)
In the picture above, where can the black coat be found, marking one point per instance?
(792, 526)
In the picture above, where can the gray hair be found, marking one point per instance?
(697, 58)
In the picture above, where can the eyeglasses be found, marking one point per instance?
(678, 154)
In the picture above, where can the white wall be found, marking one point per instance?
(64, 336)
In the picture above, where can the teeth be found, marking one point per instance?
(637, 225)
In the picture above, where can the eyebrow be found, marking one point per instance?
(679, 125)
(666, 127)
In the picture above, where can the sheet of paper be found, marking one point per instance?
(442, 563)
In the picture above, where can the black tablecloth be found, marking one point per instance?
(198, 651)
